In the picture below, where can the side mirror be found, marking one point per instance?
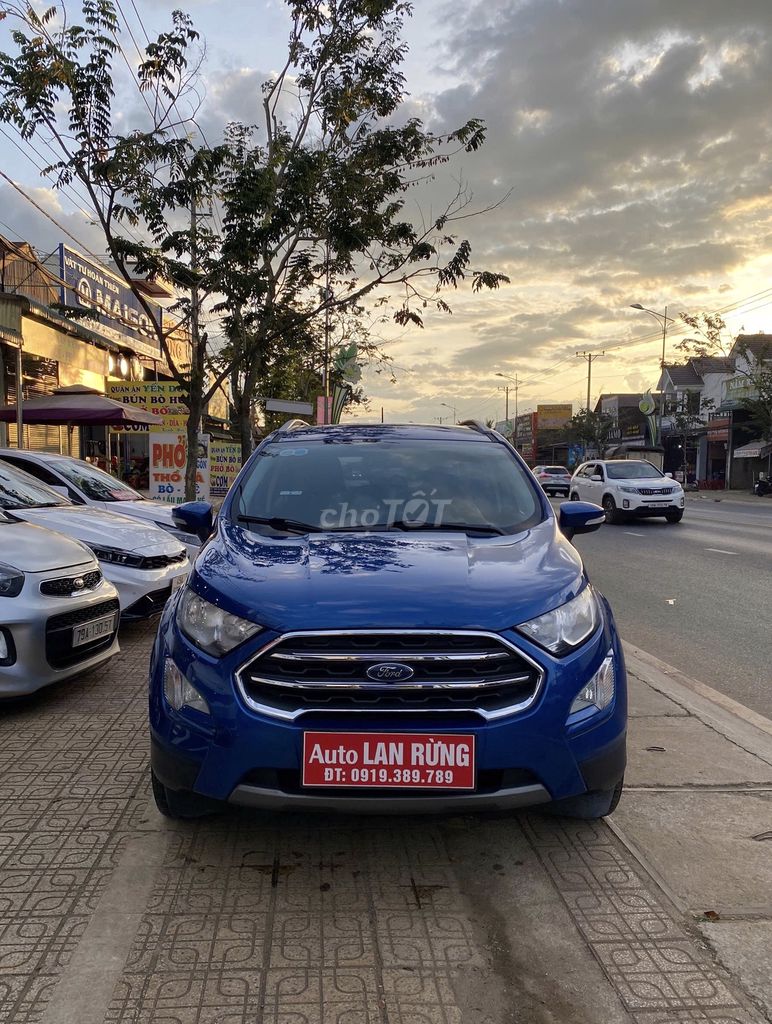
(669, 476)
(580, 517)
(596, 478)
(194, 517)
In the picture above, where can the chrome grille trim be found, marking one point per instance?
(387, 656)
(394, 689)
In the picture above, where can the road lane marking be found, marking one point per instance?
(722, 551)
(631, 534)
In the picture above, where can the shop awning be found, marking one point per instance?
(77, 405)
(755, 450)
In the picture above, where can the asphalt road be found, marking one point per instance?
(697, 595)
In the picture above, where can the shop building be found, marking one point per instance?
(69, 320)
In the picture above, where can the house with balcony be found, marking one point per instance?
(693, 391)
(749, 453)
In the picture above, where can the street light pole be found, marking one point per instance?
(452, 409)
(516, 382)
(664, 319)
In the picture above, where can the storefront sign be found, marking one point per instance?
(117, 311)
(224, 466)
(554, 417)
(168, 459)
(161, 398)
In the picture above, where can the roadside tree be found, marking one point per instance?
(314, 198)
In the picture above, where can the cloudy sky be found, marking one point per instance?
(634, 136)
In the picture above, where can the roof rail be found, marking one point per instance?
(295, 424)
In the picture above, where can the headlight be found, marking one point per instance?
(599, 692)
(567, 627)
(11, 580)
(629, 490)
(209, 627)
(116, 556)
(179, 692)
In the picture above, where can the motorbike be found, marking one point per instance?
(762, 487)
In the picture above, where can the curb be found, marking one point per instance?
(737, 722)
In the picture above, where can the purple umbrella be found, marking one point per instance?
(77, 406)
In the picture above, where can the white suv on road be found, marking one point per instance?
(628, 488)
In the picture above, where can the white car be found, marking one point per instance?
(628, 488)
(58, 614)
(85, 484)
(553, 479)
(144, 563)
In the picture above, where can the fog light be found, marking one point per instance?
(625, 503)
(179, 692)
(7, 649)
(599, 692)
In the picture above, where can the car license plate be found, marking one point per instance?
(88, 631)
(397, 760)
(179, 581)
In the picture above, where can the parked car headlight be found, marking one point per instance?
(567, 627)
(209, 627)
(599, 692)
(629, 490)
(11, 580)
(116, 556)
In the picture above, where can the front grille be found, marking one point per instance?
(655, 490)
(151, 604)
(289, 781)
(457, 672)
(65, 586)
(59, 650)
(160, 561)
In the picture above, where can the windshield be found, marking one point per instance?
(556, 471)
(20, 490)
(382, 485)
(632, 471)
(93, 482)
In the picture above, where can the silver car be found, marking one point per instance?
(58, 614)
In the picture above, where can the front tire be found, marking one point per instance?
(674, 515)
(574, 496)
(613, 515)
(179, 805)
(599, 803)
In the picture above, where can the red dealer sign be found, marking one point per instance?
(394, 759)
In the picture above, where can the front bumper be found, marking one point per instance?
(643, 507)
(26, 623)
(238, 755)
(142, 592)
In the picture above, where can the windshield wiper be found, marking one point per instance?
(409, 527)
(279, 523)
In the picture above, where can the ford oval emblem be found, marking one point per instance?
(390, 672)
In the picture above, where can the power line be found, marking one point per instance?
(47, 215)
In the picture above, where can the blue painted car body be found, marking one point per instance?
(378, 581)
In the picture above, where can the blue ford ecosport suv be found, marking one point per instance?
(387, 618)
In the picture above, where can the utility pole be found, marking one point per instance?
(515, 386)
(590, 357)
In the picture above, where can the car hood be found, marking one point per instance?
(104, 529)
(153, 511)
(395, 580)
(646, 481)
(33, 549)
